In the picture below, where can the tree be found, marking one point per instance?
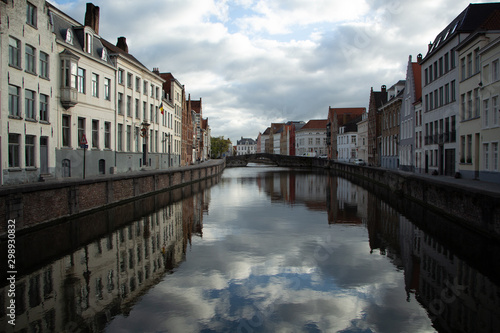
(219, 146)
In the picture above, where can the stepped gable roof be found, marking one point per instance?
(196, 106)
(315, 124)
(467, 21)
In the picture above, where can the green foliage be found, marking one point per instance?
(219, 146)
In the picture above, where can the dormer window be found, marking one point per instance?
(69, 37)
(104, 54)
(88, 43)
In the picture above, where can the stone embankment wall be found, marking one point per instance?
(473, 207)
(35, 205)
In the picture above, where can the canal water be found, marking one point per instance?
(259, 249)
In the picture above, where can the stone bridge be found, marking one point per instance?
(274, 159)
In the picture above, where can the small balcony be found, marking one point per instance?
(69, 97)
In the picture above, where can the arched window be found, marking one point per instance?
(102, 167)
(66, 168)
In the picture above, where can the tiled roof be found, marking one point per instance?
(315, 124)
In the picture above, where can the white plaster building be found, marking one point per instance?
(479, 91)
(311, 138)
(440, 90)
(347, 142)
(29, 79)
(362, 140)
(246, 146)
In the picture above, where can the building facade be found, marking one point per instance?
(441, 76)
(390, 113)
(29, 81)
(412, 94)
(246, 146)
(311, 138)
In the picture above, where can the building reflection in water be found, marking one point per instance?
(101, 278)
(457, 296)
(82, 291)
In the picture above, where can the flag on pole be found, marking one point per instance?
(161, 108)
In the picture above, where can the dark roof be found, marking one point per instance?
(62, 25)
(113, 49)
(467, 21)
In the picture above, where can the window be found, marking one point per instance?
(30, 59)
(107, 135)
(44, 65)
(14, 150)
(151, 112)
(81, 80)
(81, 129)
(88, 43)
(14, 52)
(469, 148)
(137, 135)
(29, 146)
(469, 65)
(447, 93)
(137, 84)
(129, 106)
(66, 131)
(95, 85)
(14, 101)
(29, 104)
(120, 103)
(137, 108)
(31, 15)
(495, 75)
(462, 65)
(477, 103)
(119, 137)
(69, 73)
(129, 80)
(144, 106)
(446, 63)
(477, 63)
(486, 155)
(107, 89)
(120, 76)
(452, 91)
(69, 37)
(486, 113)
(145, 88)
(152, 90)
(95, 133)
(494, 156)
(494, 108)
(44, 107)
(129, 137)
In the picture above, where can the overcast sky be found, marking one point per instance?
(254, 62)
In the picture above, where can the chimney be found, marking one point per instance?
(430, 46)
(384, 88)
(122, 44)
(92, 17)
(156, 70)
(419, 57)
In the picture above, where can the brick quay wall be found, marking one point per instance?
(473, 204)
(41, 204)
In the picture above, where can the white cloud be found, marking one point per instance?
(254, 62)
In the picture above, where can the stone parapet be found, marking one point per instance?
(40, 204)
